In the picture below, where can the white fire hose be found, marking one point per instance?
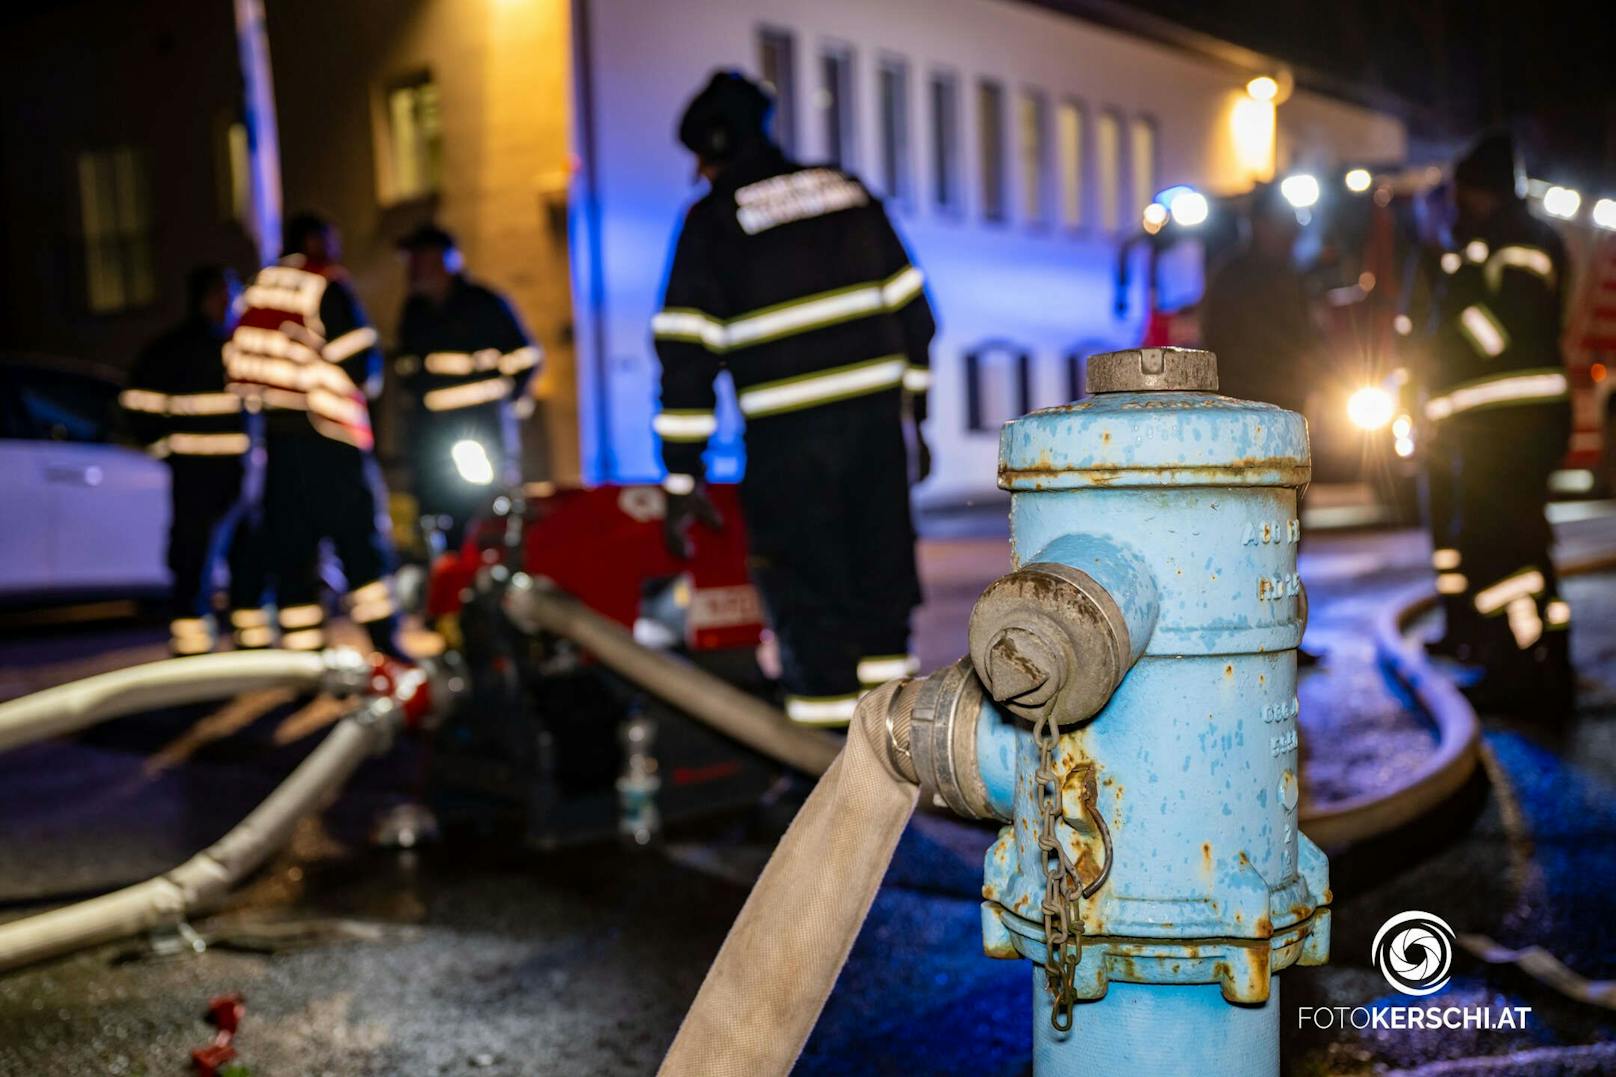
(767, 986)
(201, 882)
(171, 683)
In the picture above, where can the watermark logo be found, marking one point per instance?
(1414, 951)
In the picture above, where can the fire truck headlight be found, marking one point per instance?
(1605, 213)
(472, 462)
(1358, 180)
(1300, 190)
(1370, 408)
(1189, 209)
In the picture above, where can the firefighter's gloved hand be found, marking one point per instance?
(922, 456)
(683, 508)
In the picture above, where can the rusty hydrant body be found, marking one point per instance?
(1142, 659)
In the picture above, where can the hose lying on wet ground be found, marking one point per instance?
(1458, 731)
(749, 720)
(171, 683)
(202, 881)
(766, 988)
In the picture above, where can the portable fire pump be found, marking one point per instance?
(551, 742)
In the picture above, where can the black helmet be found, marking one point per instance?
(1490, 165)
(731, 113)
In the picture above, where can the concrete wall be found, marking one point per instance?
(502, 72)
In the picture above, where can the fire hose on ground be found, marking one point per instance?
(397, 697)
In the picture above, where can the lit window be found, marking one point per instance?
(234, 173)
(1033, 118)
(945, 184)
(415, 127)
(1069, 154)
(1142, 162)
(990, 133)
(893, 83)
(115, 220)
(1108, 168)
(835, 101)
(998, 385)
(777, 59)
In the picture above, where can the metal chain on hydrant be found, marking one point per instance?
(1063, 925)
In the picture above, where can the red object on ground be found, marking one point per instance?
(224, 1014)
(603, 544)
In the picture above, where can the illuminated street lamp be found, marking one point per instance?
(1262, 88)
(1561, 202)
(1300, 190)
(1358, 180)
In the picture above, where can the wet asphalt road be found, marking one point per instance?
(493, 960)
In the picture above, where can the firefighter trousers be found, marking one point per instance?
(832, 543)
(1503, 462)
(213, 516)
(317, 489)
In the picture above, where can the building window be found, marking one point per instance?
(415, 137)
(893, 85)
(234, 171)
(116, 223)
(945, 183)
(777, 59)
(1108, 169)
(835, 101)
(1032, 117)
(1069, 125)
(1142, 161)
(998, 385)
(990, 132)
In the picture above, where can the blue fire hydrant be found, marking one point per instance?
(1141, 736)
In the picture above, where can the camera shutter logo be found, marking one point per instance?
(1414, 951)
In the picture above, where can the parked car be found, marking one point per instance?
(84, 514)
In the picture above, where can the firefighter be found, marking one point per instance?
(304, 354)
(1499, 408)
(467, 364)
(178, 405)
(791, 278)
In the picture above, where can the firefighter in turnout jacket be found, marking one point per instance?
(178, 405)
(304, 355)
(467, 365)
(792, 279)
(1499, 409)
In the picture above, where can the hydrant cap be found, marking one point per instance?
(1138, 370)
(1154, 420)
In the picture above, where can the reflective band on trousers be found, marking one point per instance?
(822, 710)
(468, 395)
(202, 445)
(1483, 331)
(249, 618)
(1527, 387)
(685, 425)
(1524, 623)
(372, 602)
(191, 632)
(302, 616)
(807, 390)
(1445, 560)
(679, 485)
(1557, 613)
(878, 669)
(307, 639)
(255, 637)
(1451, 583)
(787, 319)
(1528, 581)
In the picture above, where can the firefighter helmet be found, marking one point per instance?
(729, 114)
